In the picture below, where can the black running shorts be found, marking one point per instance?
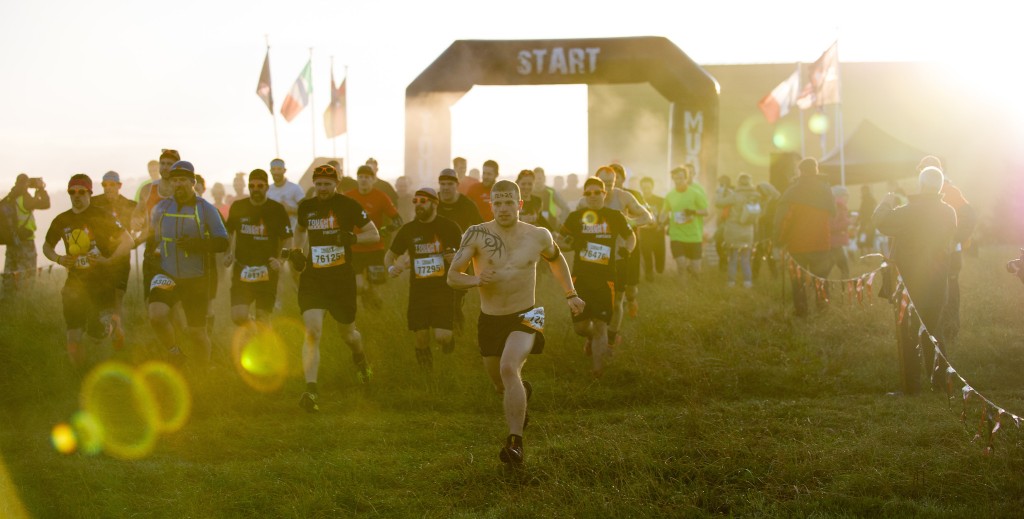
(598, 298)
(331, 291)
(432, 309)
(493, 331)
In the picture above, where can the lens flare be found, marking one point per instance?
(818, 123)
(260, 356)
(754, 139)
(123, 408)
(63, 438)
(89, 433)
(170, 394)
(787, 136)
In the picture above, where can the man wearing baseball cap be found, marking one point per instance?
(113, 202)
(429, 243)
(187, 230)
(327, 282)
(94, 242)
(455, 206)
(149, 196)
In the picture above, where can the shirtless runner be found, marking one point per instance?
(504, 253)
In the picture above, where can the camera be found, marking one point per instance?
(35, 183)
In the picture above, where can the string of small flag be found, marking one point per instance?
(25, 274)
(859, 287)
(992, 415)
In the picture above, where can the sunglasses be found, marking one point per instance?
(421, 200)
(593, 193)
(78, 192)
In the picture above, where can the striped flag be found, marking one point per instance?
(335, 122)
(822, 86)
(298, 96)
(263, 87)
(777, 103)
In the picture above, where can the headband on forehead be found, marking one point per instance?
(499, 195)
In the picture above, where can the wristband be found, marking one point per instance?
(572, 295)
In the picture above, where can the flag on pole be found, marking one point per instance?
(335, 123)
(298, 96)
(263, 87)
(777, 103)
(822, 86)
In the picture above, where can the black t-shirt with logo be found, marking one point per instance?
(258, 230)
(426, 243)
(594, 235)
(462, 211)
(92, 232)
(323, 221)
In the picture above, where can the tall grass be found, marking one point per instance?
(718, 403)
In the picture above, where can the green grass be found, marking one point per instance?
(719, 403)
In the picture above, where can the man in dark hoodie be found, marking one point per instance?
(923, 232)
(802, 224)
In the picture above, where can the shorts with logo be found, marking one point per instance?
(150, 268)
(493, 331)
(693, 251)
(263, 292)
(83, 300)
(431, 309)
(371, 264)
(192, 293)
(333, 291)
(598, 297)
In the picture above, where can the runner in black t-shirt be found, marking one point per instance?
(461, 210)
(257, 227)
(430, 242)
(94, 242)
(594, 232)
(327, 282)
(115, 203)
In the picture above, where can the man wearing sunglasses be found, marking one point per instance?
(596, 233)
(504, 253)
(429, 244)
(94, 242)
(257, 228)
(186, 230)
(327, 282)
(113, 202)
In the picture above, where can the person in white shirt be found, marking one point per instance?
(286, 193)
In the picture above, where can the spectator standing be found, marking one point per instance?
(803, 228)
(743, 206)
(20, 260)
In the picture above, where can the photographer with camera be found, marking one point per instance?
(21, 256)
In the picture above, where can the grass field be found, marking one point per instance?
(719, 403)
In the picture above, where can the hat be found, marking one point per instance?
(427, 192)
(112, 176)
(365, 170)
(182, 168)
(277, 163)
(80, 180)
(448, 174)
(325, 171)
(172, 154)
(258, 174)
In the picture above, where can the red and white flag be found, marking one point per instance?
(263, 87)
(777, 103)
(298, 96)
(822, 86)
(335, 123)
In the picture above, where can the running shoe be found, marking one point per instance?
(512, 452)
(363, 370)
(308, 402)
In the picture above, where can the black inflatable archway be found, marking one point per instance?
(691, 91)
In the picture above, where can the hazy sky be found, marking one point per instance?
(93, 86)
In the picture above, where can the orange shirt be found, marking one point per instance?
(377, 205)
(481, 196)
(465, 183)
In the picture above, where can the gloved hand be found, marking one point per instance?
(297, 260)
(346, 238)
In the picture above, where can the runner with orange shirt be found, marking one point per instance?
(368, 259)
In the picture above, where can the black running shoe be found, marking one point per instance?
(308, 402)
(512, 452)
(529, 392)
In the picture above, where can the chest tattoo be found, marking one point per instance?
(492, 243)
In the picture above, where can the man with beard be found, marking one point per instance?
(327, 283)
(187, 230)
(596, 232)
(480, 193)
(94, 241)
(430, 242)
(504, 253)
(459, 209)
(257, 228)
(122, 209)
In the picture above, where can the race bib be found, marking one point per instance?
(82, 262)
(255, 274)
(429, 267)
(534, 319)
(162, 282)
(327, 256)
(680, 217)
(596, 253)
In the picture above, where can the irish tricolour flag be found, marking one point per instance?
(298, 96)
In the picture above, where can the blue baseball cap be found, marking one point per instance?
(182, 168)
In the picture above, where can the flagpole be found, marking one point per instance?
(348, 134)
(803, 140)
(334, 140)
(312, 106)
(839, 111)
(273, 116)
